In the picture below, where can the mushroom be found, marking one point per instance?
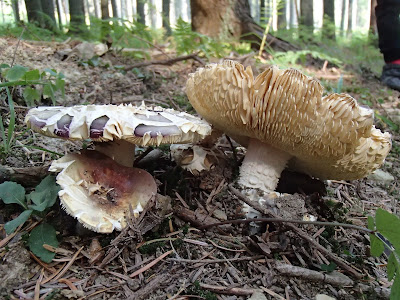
(96, 189)
(283, 120)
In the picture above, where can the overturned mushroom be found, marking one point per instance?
(283, 119)
(98, 192)
(95, 189)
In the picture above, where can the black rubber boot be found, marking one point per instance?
(391, 76)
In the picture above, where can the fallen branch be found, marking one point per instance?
(340, 262)
(149, 265)
(336, 279)
(227, 291)
(166, 62)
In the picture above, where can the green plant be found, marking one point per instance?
(388, 226)
(35, 203)
(52, 83)
(7, 140)
(295, 57)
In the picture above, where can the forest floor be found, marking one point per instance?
(164, 254)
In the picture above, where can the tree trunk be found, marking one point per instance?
(227, 18)
(141, 17)
(77, 23)
(34, 12)
(96, 9)
(123, 9)
(177, 9)
(292, 11)
(306, 13)
(58, 7)
(350, 18)
(15, 7)
(328, 26)
(105, 14)
(343, 17)
(49, 20)
(165, 16)
(153, 13)
(282, 15)
(114, 8)
(306, 21)
(372, 19)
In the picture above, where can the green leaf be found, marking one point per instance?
(52, 72)
(391, 266)
(4, 66)
(15, 73)
(12, 192)
(40, 235)
(21, 219)
(377, 246)
(45, 194)
(395, 291)
(31, 95)
(32, 75)
(48, 91)
(328, 268)
(371, 223)
(389, 226)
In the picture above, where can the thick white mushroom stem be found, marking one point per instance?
(262, 166)
(121, 151)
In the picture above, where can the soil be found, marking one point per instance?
(224, 262)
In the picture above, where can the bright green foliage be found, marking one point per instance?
(291, 58)
(186, 41)
(388, 226)
(36, 202)
(46, 84)
(40, 235)
(7, 140)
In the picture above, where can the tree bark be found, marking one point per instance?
(105, 14)
(292, 11)
(15, 7)
(49, 21)
(165, 16)
(153, 14)
(34, 12)
(141, 17)
(306, 20)
(282, 15)
(231, 18)
(343, 16)
(58, 7)
(306, 13)
(350, 18)
(372, 19)
(328, 26)
(96, 9)
(114, 9)
(77, 17)
(123, 9)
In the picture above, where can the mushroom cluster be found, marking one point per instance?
(99, 188)
(284, 120)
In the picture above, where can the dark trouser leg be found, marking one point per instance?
(388, 23)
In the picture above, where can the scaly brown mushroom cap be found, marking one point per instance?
(329, 137)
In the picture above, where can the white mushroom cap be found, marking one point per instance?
(98, 192)
(328, 137)
(138, 125)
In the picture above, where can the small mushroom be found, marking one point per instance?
(97, 189)
(283, 119)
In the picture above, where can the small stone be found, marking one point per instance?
(258, 295)
(381, 176)
(323, 297)
(220, 215)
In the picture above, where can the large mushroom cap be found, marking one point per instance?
(99, 192)
(139, 125)
(329, 137)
